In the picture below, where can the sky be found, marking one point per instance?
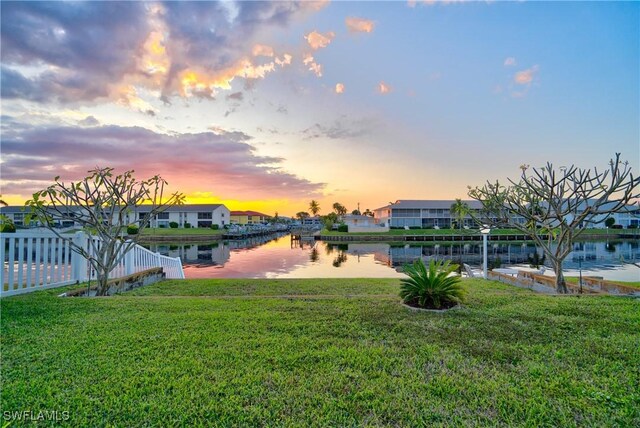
(268, 105)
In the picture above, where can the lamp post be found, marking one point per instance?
(485, 233)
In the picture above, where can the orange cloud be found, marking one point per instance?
(308, 60)
(383, 88)
(339, 88)
(286, 60)
(318, 40)
(359, 25)
(262, 50)
(525, 77)
(203, 84)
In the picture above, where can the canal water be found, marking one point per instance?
(280, 257)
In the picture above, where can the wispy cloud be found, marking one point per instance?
(309, 61)
(262, 50)
(318, 40)
(339, 88)
(383, 88)
(359, 25)
(525, 77)
(510, 61)
(343, 128)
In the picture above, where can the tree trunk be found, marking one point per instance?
(102, 287)
(561, 284)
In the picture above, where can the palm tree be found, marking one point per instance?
(2, 202)
(339, 208)
(432, 287)
(314, 207)
(459, 210)
(302, 215)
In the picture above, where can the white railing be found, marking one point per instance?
(36, 260)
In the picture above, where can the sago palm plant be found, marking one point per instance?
(434, 287)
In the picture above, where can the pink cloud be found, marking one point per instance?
(220, 161)
(318, 40)
(510, 61)
(384, 88)
(262, 50)
(525, 77)
(339, 88)
(359, 25)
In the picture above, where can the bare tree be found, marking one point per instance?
(101, 204)
(554, 206)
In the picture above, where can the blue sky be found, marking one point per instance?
(225, 101)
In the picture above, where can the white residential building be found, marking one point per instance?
(196, 215)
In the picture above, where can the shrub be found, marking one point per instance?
(173, 225)
(616, 226)
(343, 228)
(433, 288)
(415, 227)
(132, 229)
(162, 226)
(632, 226)
(8, 228)
(187, 225)
(215, 227)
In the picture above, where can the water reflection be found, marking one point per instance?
(281, 257)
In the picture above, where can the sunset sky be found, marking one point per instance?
(266, 106)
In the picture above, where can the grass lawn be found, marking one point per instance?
(321, 353)
(446, 232)
(167, 231)
(635, 284)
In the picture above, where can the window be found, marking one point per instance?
(204, 224)
(163, 216)
(222, 215)
(141, 216)
(205, 216)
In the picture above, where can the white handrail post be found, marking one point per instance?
(158, 261)
(78, 262)
(129, 260)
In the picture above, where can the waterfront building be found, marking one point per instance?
(437, 213)
(248, 217)
(193, 215)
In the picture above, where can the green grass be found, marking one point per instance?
(321, 353)
(635, 284)
(456, 232)
(204, 231)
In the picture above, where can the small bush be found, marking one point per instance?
(215, 227)
(162, 226)
(616, 226)
(432, 288)
(632, 226)
(173, 225)
(343, 228)
(415, 227)
(132, 229)
(187, 225)
(8, 228)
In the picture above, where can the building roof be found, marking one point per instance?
(428, 204)
(247, 213)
